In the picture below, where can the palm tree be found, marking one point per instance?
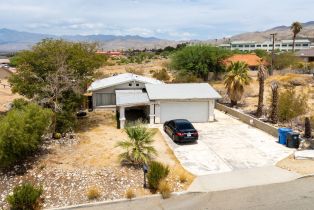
(274, 103)
(261, 79)
(235, 80)
(138, 148)
(295, 27)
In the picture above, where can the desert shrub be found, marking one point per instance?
(157, 172)
(21, 132)
(25, 197)
(129, 194)
(135, 71)
(19, 103)
(93, 193)
(165, 189)
(161, 75)
(291, 105)
(183, 77)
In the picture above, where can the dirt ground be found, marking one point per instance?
(6, 96)
(304, 167)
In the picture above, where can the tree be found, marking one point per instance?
(235, 81)
(138, 148)
(296, 28)
(284, 60)
(261, 79)
(55, 73)
(200, 60)
(274, 102)
(21, 131)
(308, 129)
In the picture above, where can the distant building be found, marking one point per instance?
(283, 45)
(110, 53)
(252, 60)
(306, 55)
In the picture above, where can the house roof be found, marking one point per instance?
(249, 59)
(120, 79)
(131, 97)
(305, 53)
(181, 91)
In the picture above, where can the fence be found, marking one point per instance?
(272, 130)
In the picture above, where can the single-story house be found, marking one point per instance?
(252, 60)
(159, 101)
(306, 55)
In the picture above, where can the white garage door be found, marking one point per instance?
(192, 111)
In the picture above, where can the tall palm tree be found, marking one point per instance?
(138, 148)
(295, 27)
(274, 103)
(261, 75)
(235, 81)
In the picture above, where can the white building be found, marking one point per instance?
(159, 102)
(283, 45)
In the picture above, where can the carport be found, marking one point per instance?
(133, 100)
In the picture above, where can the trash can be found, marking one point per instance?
(282, 134)
(293, 140)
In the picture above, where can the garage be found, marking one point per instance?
(194, 111)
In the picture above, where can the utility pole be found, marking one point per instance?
(272, 55)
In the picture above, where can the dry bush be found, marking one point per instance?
(139, 71)
(129, 193)
(290, 79)
(164, 189)
(93, 193)
(161, 75)
(182, 175)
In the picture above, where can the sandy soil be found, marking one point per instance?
(304, 167)
(6, 96)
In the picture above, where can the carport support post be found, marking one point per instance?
(211, 107)
(122, 117)
(151, 114)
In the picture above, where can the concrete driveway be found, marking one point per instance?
(227, 144)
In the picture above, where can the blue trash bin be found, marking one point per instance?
(282, 134)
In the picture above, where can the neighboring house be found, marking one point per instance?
(306, 55)
(5, 73)
(160, 102)
(252, 60)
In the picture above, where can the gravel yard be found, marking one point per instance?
(68, 168)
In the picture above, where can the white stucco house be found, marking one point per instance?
(159, 101)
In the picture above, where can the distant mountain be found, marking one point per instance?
(283, 32)
(11, 40)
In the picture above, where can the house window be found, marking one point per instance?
(284, 45)
(305, 45)
(130, 84)
(265, 45)
(247, 45)
(298, 45)
(137, 84)
(258, 45)
(240, 45)
(252, 45)
(105, 99)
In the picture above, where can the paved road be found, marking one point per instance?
(295, 195)
(226, 145)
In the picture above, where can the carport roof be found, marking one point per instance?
(181, 91)
(131, 97)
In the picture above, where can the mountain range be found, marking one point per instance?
(12, 40)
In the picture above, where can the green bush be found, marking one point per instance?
(161, 75)
(291, 105)
(19, 103)
(21, 131)
(25, 197)
(157, 172)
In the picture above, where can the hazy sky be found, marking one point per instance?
(170, 19)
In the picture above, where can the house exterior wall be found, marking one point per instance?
(112, 89)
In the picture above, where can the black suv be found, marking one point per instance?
(181, 130)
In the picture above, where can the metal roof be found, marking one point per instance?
(181, 91)
(131, 97)
(120, 79)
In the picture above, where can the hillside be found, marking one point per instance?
(11, 40)
(283, 32)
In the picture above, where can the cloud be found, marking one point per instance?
(170, 19)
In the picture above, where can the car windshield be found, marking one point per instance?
(184, 125)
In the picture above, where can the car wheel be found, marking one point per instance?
(173, 137)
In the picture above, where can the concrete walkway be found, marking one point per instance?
(226, 145)
(242, 178)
